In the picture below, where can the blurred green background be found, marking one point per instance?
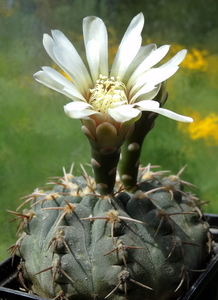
(37, 139)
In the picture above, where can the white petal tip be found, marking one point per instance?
(189, 120)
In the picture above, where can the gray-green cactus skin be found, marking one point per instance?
(141, 245)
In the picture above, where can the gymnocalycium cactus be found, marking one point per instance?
(142, 245)
(126, 234)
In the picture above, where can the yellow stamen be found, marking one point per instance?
(107, 93)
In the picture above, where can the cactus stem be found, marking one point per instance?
(105, 176)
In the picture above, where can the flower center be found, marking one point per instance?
(108, 93)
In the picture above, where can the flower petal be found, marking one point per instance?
(96, 44)
(147, 105)
(57, 77)
(124, 113)
(148, 92)
(153, 77)
(143, 52)
(153, 106)
(175, 60)
(79, 110)
(161, 74)
(149, 62)
(72, 92)
(49, 45)
(71, 67)
(66, 56)
(129, 47)
(49, 81)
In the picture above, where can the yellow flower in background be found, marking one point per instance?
(203, 128)
(196, 60)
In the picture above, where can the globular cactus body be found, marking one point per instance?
(144, 245)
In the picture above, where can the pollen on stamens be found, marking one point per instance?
(108, 93)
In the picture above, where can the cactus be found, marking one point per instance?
(126, 234)
(77, 244)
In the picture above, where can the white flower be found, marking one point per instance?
(97, 93)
